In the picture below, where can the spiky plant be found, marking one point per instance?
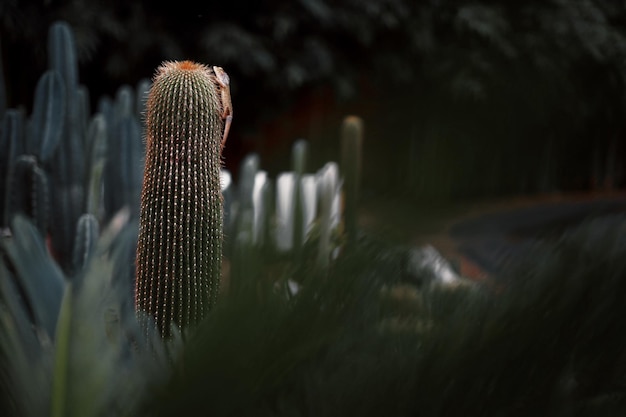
(179, 251)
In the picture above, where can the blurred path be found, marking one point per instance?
(480, 237)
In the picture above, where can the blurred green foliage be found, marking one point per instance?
(544, 339)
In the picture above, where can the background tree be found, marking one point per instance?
(524, 96)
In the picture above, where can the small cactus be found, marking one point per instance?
(179, 251)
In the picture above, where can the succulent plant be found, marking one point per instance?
(179, 251)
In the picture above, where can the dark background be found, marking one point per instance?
(460, 99)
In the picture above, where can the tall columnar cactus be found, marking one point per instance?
(46, 125)
(351, 154)
(67, 164)
(248, 171)
(179, 252)
(244, 207)
(124, 164)
(62, 59)
(12, 145)
(299, 154)
(3, 88)
(96, 150)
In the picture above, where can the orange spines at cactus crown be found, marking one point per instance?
(179, 252)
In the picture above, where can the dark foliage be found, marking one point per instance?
(536, 82)
(550, 343)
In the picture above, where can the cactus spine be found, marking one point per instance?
(179, 251)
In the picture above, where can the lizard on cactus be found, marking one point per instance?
(179, 252)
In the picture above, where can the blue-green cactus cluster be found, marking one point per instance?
(62, 162)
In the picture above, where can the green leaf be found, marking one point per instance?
(25, 354)
(62, 357)
(38, 275)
